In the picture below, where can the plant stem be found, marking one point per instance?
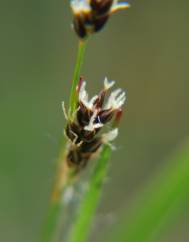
(51, 224)
(87, 206)
(79, 61)
(55, 202)
(64, 174)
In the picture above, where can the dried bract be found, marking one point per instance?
(84, 131)
(91, 15)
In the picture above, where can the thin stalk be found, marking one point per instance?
(64, 175)
(87, 207)
(76, 76)
(49, 231)
(55, 206)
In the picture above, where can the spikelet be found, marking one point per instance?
(84, 131)
(91, 15)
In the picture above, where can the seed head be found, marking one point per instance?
(91, 15)
(84, 132)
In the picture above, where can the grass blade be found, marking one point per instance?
(157, 202)
(87, 207)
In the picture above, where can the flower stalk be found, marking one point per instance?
(64, 174)
(79, 61)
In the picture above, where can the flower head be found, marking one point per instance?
(91, 15)
(84, 132)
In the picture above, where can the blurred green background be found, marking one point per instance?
(145, 49)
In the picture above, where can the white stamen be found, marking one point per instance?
(68, 195)
(83, 97)
(116, 6)
(80, 6)
(110, 136)
(92, 101)
(108, 83)
(92, 126)
(83, 93)
(116, 99)
(64, 111)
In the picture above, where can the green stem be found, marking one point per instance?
(50, 226)
(64, 174)
(87, 207)
(79, 61)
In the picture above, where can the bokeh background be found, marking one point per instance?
(145, 49)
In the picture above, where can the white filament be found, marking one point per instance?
(80, 6)
(84, 98)
(110, 136)
(116, 99)
(108, 83)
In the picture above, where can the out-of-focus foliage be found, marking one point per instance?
(158, 203)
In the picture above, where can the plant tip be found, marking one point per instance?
(91, 15)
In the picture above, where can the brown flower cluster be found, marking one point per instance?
(84, 131)
(91, 15)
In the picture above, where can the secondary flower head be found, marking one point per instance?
(91, 15)
(85, 131)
